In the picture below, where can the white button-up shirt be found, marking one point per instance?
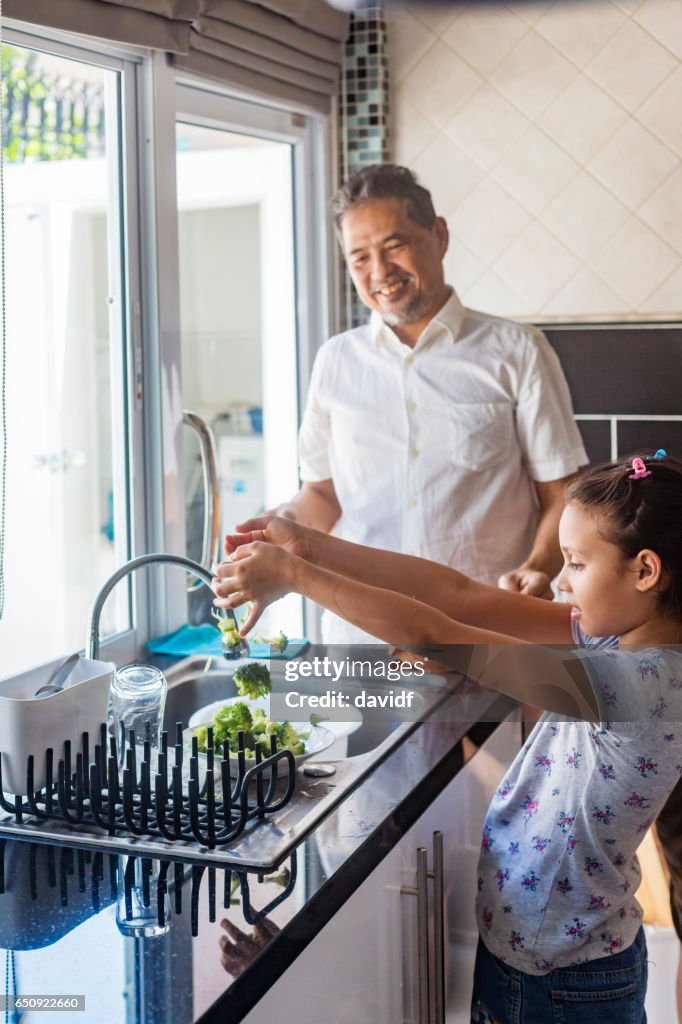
(433, 450)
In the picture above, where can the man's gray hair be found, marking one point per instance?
(383, 181)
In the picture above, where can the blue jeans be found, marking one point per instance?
(609, 990)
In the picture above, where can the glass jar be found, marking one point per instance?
(138, 698)
(142, 906)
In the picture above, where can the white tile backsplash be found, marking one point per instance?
(440, 83)
(532, 75)
(584, 215)
(665, 297)
(436, 16)
(408, 41)
(482, 38)
(662, 19)
(663, 213)
(536, 266)
(530, 10)
(579, 30)
(485, 235)
(585, 294)
(462, 268)
(492, 295)
(661, 112)
(451, 174)
(535, 170)
(487, 126)
(630, 66)
(550, 136)
(635, 261)
(582, 118)
(411, 131)
(632, 164)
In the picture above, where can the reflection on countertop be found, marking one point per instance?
(187, 941)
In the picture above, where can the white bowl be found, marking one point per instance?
(30, 724)
(320, 738)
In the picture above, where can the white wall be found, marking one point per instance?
(220, 299)
(550, 135)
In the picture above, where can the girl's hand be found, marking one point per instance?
(285, 533)
(257, 572)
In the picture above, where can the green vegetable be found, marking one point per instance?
(229, 630)
(252, 680)
(278, 642)
(232, 719)
(316, 719)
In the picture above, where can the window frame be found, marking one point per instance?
(148, 373)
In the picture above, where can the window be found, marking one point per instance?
(67, 494)
(102, 331)
(237, 260)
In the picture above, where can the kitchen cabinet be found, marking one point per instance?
(363, 966)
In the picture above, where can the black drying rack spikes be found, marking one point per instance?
(143, 799)
(75, 873)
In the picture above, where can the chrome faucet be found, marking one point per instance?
(92, 639)
(211, 541)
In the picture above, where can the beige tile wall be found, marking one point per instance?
(550, 134)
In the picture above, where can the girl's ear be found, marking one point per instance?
(649, 570)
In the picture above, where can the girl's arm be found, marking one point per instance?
(550, 679)
(453, 593)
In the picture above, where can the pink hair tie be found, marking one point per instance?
(640, 470)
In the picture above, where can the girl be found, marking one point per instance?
(561, 935)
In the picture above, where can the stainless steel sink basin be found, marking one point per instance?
(264, 844)
(192, 685)
(191, 688)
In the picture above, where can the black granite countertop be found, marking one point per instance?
(62, 910)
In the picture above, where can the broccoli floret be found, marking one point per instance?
(229, 631)
(289, 736)
(230, 720)
(278, 642)
(258, 730)
(316, 719)
(252, 680)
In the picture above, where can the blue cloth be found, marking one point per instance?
(610, 990)
(206, 639)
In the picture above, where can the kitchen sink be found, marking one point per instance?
(190, 687)
(264, 844)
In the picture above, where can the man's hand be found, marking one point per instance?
(240, 949)
(285, 533)
(530, 582)
(256, 572)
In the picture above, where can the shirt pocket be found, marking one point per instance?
(481, 434)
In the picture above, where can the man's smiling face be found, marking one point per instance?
(395, 263)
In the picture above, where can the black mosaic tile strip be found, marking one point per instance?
(363, 114)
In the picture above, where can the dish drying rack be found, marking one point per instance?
(96, 879)
(210, 807)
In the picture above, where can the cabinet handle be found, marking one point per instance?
(438, 929)
(422, 894)
(423, 934)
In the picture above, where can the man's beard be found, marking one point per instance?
(413, 312)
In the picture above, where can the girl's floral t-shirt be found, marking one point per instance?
(558, 867)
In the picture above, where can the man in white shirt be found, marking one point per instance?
(433, 429)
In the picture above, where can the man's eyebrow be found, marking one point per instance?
(395, 237)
